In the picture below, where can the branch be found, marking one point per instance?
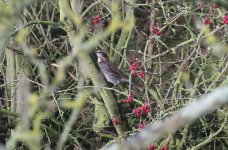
(188, 114)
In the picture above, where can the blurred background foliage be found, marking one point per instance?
(52, 94)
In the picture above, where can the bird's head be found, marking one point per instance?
(101, 55)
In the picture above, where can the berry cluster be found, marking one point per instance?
(142, 110)
(128, 100)
(96, 20)
(152, 147)
(208, 21)
(155, 30)
(134, 68)
(141, 126)
(225, 20)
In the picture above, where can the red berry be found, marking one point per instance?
(146, 109)
(137, 112)
(141, 74)
(142, 110)
(96, 20)
(155, 30)
(152, 147)
(135, 66)
(207, 21)
(126, 101)
(131, 68)
(225, 20)
(130, 98)
(134, 73)
(141, 126)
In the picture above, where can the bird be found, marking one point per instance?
(111, 72)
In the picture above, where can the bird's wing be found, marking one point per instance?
(114, 69)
